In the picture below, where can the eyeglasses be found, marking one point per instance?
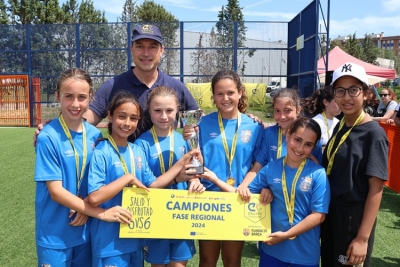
(353, 91)
(382, 95)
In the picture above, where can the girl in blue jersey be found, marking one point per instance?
(287, 107)
(301, 200)
(115, 164)
(163, 147)
(63, 150)
(228, 141)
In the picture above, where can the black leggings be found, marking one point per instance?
(338, 230)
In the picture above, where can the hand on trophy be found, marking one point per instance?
(190, 120)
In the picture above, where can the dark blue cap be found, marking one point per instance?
(147, 32)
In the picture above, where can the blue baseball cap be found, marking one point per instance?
(147, 31)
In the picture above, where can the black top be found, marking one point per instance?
(363, 155)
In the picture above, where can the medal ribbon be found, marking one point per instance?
(79, 176)
(279, 153)
(330, 155)
(124, 167)
(171, 148)
(289, 203)
(225, 143)
(326, 123)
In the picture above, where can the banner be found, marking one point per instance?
(201, 92)
(177, 214)
(256, 94)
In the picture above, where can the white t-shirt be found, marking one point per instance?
(331, 125)
(391, 106)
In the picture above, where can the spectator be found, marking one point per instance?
(372, 103)
(387, 105)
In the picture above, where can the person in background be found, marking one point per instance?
(322, 108)
(371, 103)
(387, 105)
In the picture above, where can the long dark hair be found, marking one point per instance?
(119, 99)
(229, 74)
(314, 104)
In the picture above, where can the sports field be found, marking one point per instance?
(17, 245)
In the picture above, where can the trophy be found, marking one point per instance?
(193, 118)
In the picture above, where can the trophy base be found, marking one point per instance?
(198, 169)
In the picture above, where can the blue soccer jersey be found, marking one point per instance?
(269, 147)
(248, 141)
(146, 142)
(312, 195)
(106, 167)
(55, 161)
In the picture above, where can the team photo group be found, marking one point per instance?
(321, 167)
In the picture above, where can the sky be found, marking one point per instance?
(347, 16)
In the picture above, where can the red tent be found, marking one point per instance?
(338, 57)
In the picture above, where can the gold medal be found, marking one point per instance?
(230, 181)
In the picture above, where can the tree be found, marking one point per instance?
(70, 10)
(353, 47)
(23, 11)
(3, 13)
(48, 12)
(227, 16)
(128, 12)
(150, 12)
(370, 51)
(88, 14)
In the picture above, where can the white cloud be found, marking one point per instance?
(391, 5)
(361, 26)
(282, 16)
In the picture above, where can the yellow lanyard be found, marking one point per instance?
(290, 203)
(84, 148)
(124, 167)
(225, 143)
(326, 123)
(330, 155)
(171, 148)
(279, 153)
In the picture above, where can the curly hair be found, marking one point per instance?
(314, 104)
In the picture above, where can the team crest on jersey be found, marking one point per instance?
(117, 164)
(69, 153)
(274, 148)
(305, 184)
(139, 161)
(154, 155)
(245, 136)
(45, 265)
(276, 180)
(213, 135)
(182, 150)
